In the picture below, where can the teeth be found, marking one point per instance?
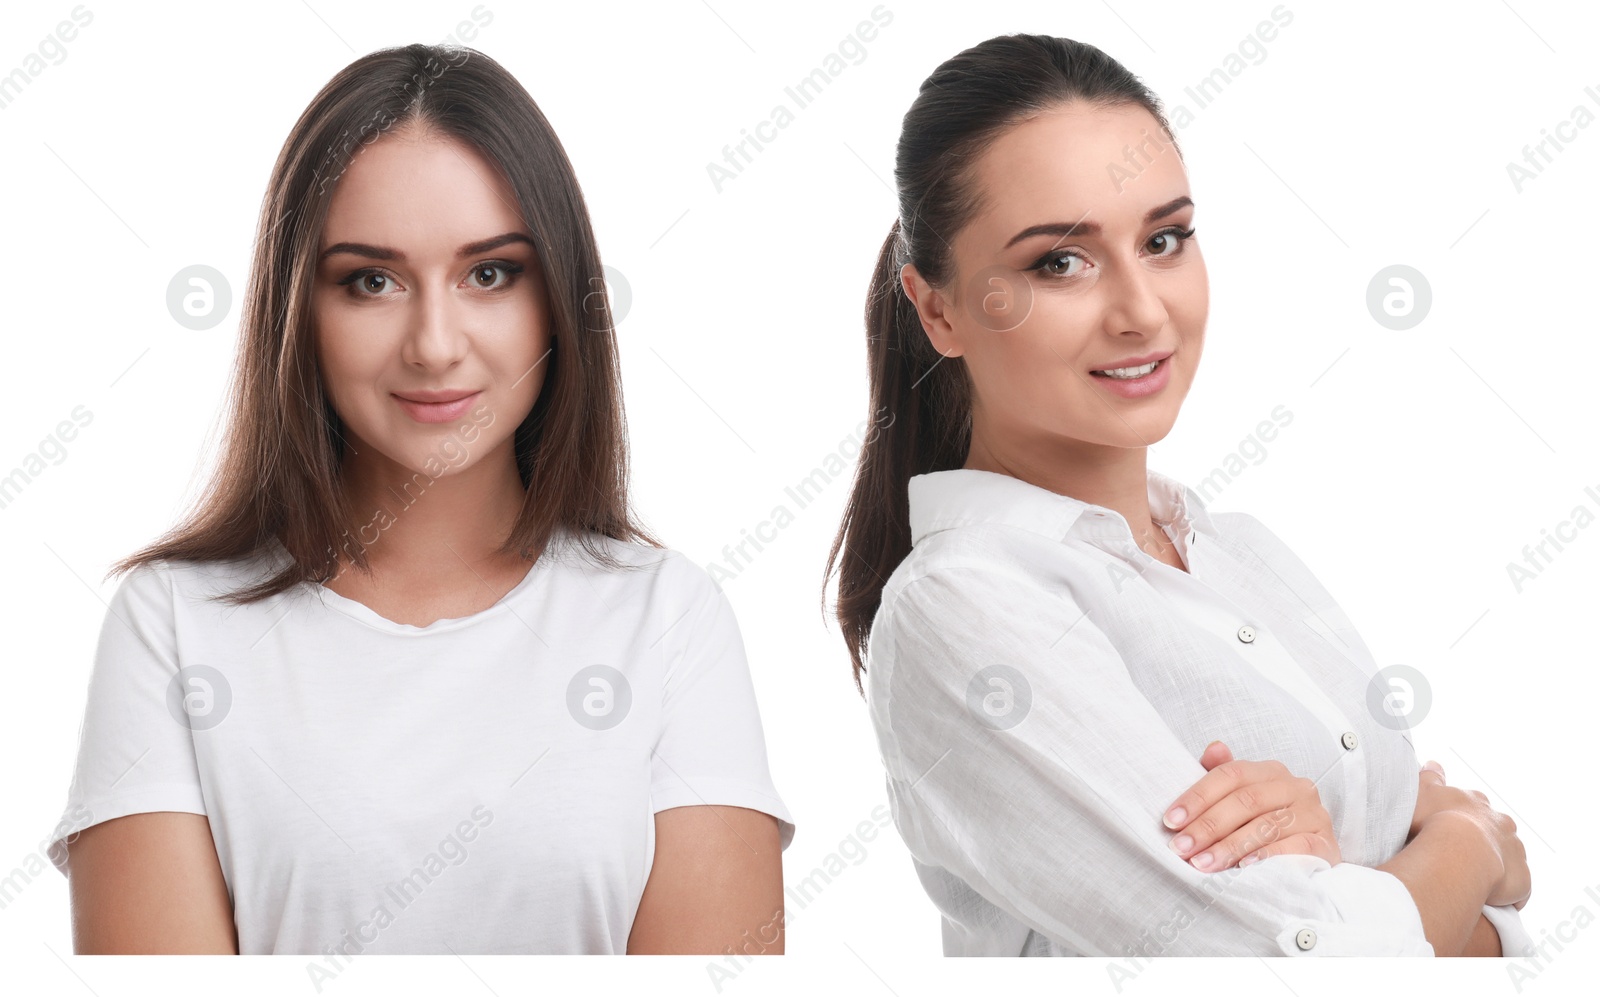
(1127, 373)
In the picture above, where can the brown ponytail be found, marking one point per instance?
(924, 395)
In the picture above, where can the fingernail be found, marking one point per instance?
(1175, 817)
(1181, 843)
(1202, 861)
(1250, 859)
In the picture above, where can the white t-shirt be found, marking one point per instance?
(1042, 690)
(485, 784)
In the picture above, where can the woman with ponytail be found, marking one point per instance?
(1062, 649)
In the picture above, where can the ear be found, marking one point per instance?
(934, 310)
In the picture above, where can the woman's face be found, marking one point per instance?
(1073, 265)
(427, 289)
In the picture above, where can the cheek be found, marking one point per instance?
(531, 338)
(1016, 373)
(522, 345)
(340, 364)
(1039, 357)
(350, 355)
(1194, 301)
(1189, 316)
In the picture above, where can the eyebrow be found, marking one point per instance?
(1067, 230)
(385, 253)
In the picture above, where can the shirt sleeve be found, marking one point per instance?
(135, 751)
(1514, 937)
(1022, 758)
(712, 750)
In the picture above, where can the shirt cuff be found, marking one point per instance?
(1368, 912)
(1514, 938)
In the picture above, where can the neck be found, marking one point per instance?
(409, 520)
(1113, 477)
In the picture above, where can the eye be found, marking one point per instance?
(367, 283)
(484, 275)
(1052, 264)
(1172, 240)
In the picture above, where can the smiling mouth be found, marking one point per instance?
(1129, 373)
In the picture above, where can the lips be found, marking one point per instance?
(436, 406)
(433, 397)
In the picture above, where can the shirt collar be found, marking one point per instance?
(943, 500)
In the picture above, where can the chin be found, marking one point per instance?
(1145, 432)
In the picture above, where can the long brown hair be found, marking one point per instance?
(958, 112)
(278, 472)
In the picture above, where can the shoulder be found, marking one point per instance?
(970, 598)
(984, 570)
(183, 580)
(205, 581)
(182, 594)
(967, 595)
(1252, 545)
(662, 582)
(1242, 525)
(631, 563)
(1243, 532)
(145, 590)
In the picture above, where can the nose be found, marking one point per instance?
(1133, 303)
(435, 337)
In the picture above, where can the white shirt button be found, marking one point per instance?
(1305, 938)
(1349, 740)
(1247, 634)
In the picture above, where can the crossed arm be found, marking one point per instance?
(1449, 864)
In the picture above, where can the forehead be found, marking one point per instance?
(417, 189)
(1103, 164)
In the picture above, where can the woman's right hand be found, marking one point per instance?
(1515, 882)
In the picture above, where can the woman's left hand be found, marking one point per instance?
(1241, 812)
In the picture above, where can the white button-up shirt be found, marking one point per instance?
(1042, 691)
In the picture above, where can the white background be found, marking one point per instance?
(1418, 463)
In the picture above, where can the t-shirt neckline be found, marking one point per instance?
(363, 613)
(366, 614)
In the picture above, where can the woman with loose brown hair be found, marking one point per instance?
(411, 677)
(1063, 648)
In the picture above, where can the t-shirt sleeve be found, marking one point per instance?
(712, 750)
(134, 754)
